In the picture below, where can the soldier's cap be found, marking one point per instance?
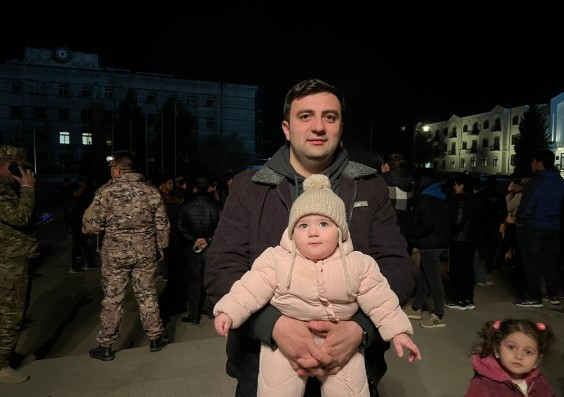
(13, 153)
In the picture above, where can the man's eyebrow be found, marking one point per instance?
(324, 112)
(331, 111)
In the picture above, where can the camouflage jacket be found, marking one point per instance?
(15, 213)
(130, 211)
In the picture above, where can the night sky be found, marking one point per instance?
(394, 68)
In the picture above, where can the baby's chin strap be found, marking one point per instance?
(344, 260)
(293, 260)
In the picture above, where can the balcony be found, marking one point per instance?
(475, 131)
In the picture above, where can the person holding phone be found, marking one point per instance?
(18, 246)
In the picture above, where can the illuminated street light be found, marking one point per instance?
(417, 129)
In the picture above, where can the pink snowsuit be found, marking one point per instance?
(317, 291)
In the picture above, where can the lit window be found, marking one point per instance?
(87, 138)
(64, 138)
(108, 142)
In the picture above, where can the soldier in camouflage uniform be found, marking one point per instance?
(16, 247)
(131, 214)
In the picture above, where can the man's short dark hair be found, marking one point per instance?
(491, 182)
(546, 157)
(202, 184)
(310, 87)
(395, 161)
(124, 159)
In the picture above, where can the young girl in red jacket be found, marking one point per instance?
(506, 362)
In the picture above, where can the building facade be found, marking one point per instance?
(556, 127)
(480, 143)
(62, 105)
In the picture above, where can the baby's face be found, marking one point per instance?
(316, 236)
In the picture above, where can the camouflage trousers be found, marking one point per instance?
(13, 287)
(114, 283)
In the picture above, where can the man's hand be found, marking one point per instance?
(161, 256)
(27, 178)
(201, 243)
(295, 341)
(341, 342)
(403, 340)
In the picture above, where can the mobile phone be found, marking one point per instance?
(44, 217)
(14, 169)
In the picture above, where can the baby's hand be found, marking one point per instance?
(222, 324)
(403, 340)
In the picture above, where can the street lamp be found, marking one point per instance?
(417, 130)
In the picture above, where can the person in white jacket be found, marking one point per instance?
(314, 274)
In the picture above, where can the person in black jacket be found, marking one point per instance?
(494, 212)
(465, 221)
(400, 186)
(73, 210)
(197, 221)
(429, 232)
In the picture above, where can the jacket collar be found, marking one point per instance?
(490, 368)
(267, 176)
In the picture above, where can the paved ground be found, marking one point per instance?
(64, 312)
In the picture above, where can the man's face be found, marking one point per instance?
(313, 130)
(4, 169)
(167, 186)
(114, 169)
(537, 165)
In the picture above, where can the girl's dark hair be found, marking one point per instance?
(492, 335)
(310, 87)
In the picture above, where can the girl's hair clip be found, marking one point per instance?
(497, 324)
(541, 326)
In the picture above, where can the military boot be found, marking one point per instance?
(102, 353)
(157, 344)
(9, 375)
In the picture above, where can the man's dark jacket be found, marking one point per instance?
(254, 218)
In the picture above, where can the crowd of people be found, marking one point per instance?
(307, 265)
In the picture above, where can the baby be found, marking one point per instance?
(314, 274)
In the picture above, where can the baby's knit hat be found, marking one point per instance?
(318, 198)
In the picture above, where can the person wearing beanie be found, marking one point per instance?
(255, 216)
(315, 274)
